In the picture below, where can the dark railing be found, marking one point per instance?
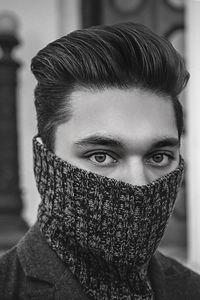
(12, 226)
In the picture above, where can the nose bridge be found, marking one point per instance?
(134, 172)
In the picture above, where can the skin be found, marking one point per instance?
(130, 135)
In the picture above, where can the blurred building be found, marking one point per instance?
(40, 22)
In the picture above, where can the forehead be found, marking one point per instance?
(131, 115)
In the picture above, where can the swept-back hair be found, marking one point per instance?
(122, 55)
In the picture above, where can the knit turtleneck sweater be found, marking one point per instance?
(104, 230)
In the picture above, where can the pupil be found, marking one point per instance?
(100, 157)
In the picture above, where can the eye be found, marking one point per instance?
(102, 159)
(160, 159)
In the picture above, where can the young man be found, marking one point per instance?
(108, 168)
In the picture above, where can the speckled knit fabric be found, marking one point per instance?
(105, 230)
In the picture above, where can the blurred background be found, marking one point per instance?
(25, 28)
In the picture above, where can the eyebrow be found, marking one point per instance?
(100, 140)
(95, 140)
(166, 142)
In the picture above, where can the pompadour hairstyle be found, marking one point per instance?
(122, 55)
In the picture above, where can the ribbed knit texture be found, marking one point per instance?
(105, 230)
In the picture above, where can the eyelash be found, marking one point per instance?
(112, 156)
(170, 157)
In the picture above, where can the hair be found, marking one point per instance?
(118, 56)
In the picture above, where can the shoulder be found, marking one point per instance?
(171, 267)
(8, 263)
(11, 274)
(33, 270)
(22, 269)
(174, 277)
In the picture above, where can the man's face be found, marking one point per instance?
(130, 135)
